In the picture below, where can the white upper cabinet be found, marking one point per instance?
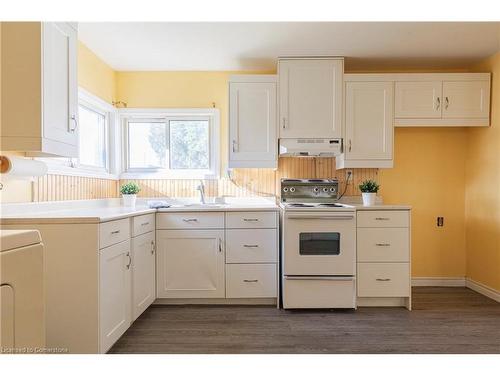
(310, 97)
(40, 88)
(252, 121)
(369, 125)
(466, 99)
(418, 99)
(453, 99)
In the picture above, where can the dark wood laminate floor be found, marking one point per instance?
(443, 320)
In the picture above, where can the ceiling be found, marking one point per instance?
(127, 46)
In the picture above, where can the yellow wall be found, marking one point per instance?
(482, 190)
(429, 175)
(94, 75)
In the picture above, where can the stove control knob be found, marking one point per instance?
(316, 189)
(325, 190)
(285, 190)
(332, 190)
(292, 189)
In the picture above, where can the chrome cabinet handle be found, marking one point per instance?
(250, 219)
(383, 279)
(250, 280)
(382, 244)
(234, 145)
(381, 218)
(220, 245)
(115, 232)
(446, 103)
(438, 103)
(152, 247)
(350, 145)
(250, 245)
(189, 220)
(284, 123)
(146, 223)
(130, 261)
(75, 121)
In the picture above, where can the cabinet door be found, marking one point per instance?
(310, 97)
(466, 99)
(369, 120)
(60, 86)
(143, 273)
(7, 332)
(418, 99)
(114, 293)
(190, 264)
(252, 125)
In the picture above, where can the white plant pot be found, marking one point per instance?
(129, 200)
(369, 199)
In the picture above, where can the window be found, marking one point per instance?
(92, 137)
(171, 145)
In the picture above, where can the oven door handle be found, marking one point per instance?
(319, 217)
(338, 278)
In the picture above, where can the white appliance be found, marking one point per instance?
(318, 147)
(22, 316)
(318, 246)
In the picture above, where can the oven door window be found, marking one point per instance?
(319, 243)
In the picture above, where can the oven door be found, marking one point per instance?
(319, 243)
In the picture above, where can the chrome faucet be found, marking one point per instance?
(201, 189)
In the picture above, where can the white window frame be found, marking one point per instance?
(165, 115)
(72, 166)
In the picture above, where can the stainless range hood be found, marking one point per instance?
(312, 147)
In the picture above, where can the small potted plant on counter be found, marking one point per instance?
(129, 193)
(369, 190)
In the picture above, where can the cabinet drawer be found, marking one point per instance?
(383, 245)
(143, 224)
(251, 280)
(383, 279)
(251, 219)
(113, 232)
(251, 246)
(190, 220)
(383, 218)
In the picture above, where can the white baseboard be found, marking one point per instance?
(483, 289)
(438, 281)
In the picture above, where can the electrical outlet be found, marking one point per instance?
(349, 176)
(440, 221)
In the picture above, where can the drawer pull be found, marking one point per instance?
(381, 218)
(146, 223)
(250, 219)
(251, 281)
(152, 247)
(250, 245)
(189, 220)
(383, 244)
(115, 232)
(383, 279)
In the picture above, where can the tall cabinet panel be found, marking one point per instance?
(252, 121)
(143, 275)
(310, 98)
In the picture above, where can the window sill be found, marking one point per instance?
(79, 172)
(167, 176)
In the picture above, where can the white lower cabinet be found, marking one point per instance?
(384, 258)
(251, 280)
(143, 273)
(190, 263)
(114, 293)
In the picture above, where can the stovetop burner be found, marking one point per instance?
(300, 205)
(330, 205)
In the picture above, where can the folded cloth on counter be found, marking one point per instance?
(158, 204)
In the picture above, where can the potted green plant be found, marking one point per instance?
(129, 193)
(369, 190)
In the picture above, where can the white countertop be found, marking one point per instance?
(102, 210)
